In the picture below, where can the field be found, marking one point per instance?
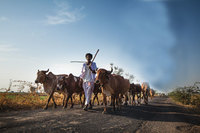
(21, 101)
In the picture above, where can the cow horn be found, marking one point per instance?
(47, 71)
(109, 72)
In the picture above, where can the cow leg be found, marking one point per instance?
(50, 96)
(134, 99)
(80, 96)
(126, 100)
(146, 98)
(83, 100)
(118, 102)
(113, 102)
(129, 98)
(93, 99)
(54, 103)
(97, 99)
(63, 104)
(72, 104)
(67, 101)
(105, 103)
(139, 98)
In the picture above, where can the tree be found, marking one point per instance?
(120, 71)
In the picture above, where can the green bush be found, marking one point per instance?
(186, 95)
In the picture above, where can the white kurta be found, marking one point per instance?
(88, 80)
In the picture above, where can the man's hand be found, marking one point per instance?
(90, 64)
(93, 71)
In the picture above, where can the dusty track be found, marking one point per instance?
(161, 115)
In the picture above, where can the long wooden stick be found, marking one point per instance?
(84, 61)
(77, 61)
(95, 55)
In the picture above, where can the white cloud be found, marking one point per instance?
(65, 15)
(3, 19)
(7, 48)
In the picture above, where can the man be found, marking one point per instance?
(88, 75)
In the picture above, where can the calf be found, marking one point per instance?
(135, 89)
(72, 85)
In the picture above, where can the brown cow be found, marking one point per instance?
(49, 82)
(135, 89)
(72, 85)
(112, 85)
(145, 90)
(152, 93)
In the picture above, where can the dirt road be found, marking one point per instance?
(161, 115)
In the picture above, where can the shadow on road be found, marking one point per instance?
(156, 111)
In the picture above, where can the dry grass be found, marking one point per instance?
(25, 101)
(191, 108)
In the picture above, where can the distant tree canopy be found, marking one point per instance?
(120, 71)
(20, 85)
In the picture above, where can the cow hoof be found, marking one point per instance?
(104, 112)
(125, 104)
(45, 108)
(113, 110)
(71, 107)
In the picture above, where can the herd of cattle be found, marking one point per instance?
(106, 83)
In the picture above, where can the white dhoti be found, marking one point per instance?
(88, 89)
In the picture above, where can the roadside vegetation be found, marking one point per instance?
(188, 95)
(22, 101)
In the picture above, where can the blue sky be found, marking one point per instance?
(144, 37)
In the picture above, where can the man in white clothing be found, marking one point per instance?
(88, 75)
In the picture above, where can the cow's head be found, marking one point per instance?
(102, 76)
(41, 75)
